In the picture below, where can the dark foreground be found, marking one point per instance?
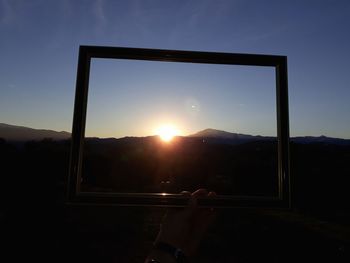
(107, 234)
(36, 226)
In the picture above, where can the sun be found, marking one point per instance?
(167, 132)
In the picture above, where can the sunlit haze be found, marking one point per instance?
(167, 132)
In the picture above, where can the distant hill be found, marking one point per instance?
(213, 133)
(20, 133)
(320, 139)
(218, 136)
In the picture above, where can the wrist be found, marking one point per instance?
(158, 256)
(169, 250)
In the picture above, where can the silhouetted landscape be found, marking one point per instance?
(241, 165)
(35, 166)
(20, 134)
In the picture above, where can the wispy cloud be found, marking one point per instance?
(99, 16)
(198, 16)
(6, 12)
(99, 13)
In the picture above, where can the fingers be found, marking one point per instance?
(193, 203)
(212, 194)
(185, 193)
(195, 195)
(200, 192)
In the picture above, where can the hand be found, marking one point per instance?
(185, 228)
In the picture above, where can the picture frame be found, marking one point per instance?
(74, 195)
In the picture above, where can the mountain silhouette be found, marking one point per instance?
(320, 139)
(224, 137)
(20, 133)
(213, 133)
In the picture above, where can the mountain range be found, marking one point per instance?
(213, 133)
(20, 133)
(218, 136)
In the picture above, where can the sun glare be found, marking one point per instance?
(167, 132)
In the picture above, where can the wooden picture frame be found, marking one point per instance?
(74, 194)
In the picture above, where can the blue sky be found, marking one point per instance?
(135, 97)
(40, 40)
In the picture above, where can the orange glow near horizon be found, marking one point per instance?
(167, 132)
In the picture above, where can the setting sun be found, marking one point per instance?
(167, 132)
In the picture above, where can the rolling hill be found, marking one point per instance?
(20, 133)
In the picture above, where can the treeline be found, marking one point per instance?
(35, 171)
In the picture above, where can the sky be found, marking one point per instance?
(137, 98)
(39, 42)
